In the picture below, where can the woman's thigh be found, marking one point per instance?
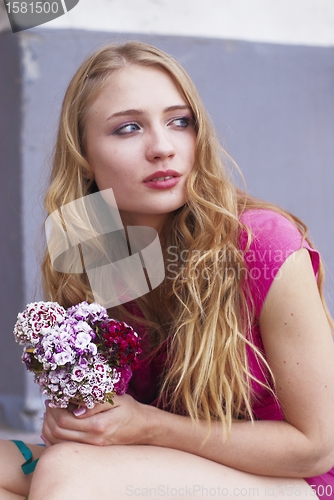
(124, 472)
(11, 476)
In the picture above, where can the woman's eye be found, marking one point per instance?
(182, 122)
(128, 128)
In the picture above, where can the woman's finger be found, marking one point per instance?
(82, 411)
(46, 441)
(61, 425)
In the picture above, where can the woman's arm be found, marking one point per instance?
(300, 351)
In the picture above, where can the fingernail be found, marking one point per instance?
(81, 410)
(43, 439)
(46, 402)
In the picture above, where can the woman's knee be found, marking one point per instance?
(60, 458)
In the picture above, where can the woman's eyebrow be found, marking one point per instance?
(126, 112)
(177, 107)
(133, 112)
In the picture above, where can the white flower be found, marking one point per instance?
(64, 357)
(92, 349)
(82, 340)
(78, 374)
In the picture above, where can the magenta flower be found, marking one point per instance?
(77, 355)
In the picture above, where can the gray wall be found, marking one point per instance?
(11, 275)
(273, 106)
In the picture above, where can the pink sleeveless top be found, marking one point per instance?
(274, 238)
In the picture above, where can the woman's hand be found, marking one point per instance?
(125, 422)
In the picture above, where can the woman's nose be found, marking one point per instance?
(159, 145)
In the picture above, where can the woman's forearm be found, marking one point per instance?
(273, 448)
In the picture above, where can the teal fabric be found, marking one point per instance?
(29, 465)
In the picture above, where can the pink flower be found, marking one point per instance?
(125, 375)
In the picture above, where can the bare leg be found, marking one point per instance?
(121, 472)
(14, 485)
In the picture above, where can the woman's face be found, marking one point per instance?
(140, 141)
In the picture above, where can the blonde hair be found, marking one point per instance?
(206, 319)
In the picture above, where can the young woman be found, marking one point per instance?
(235, 393)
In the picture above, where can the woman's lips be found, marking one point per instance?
(163, 183)
(162, 180)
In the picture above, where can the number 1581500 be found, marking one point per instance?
(32, 7)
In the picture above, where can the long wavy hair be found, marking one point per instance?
(202, 308)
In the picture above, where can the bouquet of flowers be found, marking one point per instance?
(77, 355)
